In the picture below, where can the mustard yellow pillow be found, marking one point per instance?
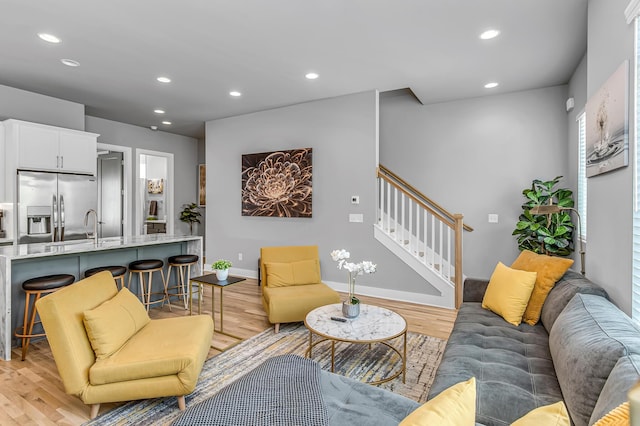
(619, 416)
(550, 269)
(508, 292)
(112, 323)
(455, 406)
(293, 273)
(548, 415)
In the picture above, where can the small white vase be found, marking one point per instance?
(222, 274)
(350, 310)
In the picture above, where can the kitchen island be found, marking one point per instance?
(21, 262)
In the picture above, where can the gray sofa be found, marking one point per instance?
(584, 351)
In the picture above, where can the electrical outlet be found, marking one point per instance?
(239, 256)
(356, 217)
(493, 218)
(355, 199)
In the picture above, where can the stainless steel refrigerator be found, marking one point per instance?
(52, 206)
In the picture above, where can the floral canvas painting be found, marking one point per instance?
(277, 184)
(607, 128)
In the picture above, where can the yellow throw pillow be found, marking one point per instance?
(619, 416)
(548, 415)
(550, 269)
(455, 406)
(293, 273)
(508, 292)
(112, 323)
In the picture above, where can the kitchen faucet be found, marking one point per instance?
(95, 225)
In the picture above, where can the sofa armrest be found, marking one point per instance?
(473, 289)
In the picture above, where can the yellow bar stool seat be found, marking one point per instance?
(148, 266)
(183, 264)
(117, 272)
(37, 287)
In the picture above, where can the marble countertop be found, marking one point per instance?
(25, 251)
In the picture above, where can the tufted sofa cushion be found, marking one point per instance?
(512, 365)
(586, 341)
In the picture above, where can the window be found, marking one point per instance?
(582, 177)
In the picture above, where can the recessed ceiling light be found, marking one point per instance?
(491, 85)
(489, 34)
(49, 38)
(235, 93)
(158, 111)
(312, 75)
(70, 62)
(166, 122)
(164, 79)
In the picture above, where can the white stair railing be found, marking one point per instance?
(421, 227)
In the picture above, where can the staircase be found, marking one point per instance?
(422, 234)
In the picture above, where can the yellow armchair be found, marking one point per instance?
(291, 283)
(108, 350)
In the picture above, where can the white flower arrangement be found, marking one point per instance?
(354, 269)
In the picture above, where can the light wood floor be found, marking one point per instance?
(31, 392)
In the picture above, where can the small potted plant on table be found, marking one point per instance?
(222, 269)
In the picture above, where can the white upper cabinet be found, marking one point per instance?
(49, 148)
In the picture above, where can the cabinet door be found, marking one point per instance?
(78, 152)
(37, 147)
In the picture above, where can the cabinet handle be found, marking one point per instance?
(57, 161)
(62, 161)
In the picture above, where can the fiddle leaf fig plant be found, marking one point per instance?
(550, 234)
(190, 214)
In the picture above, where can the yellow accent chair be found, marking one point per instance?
(291, 283)
(108, 350)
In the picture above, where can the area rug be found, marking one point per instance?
(356, 361)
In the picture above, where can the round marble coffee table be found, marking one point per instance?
(373, 325)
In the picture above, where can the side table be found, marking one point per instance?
(212, 281)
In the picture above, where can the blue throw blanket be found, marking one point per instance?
(285, 390)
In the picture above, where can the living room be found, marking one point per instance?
(473, 156)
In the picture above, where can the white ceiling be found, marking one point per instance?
(264, 48)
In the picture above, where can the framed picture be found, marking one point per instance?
(607, 124)
(202, 185)
(277, 184)
(155, 186)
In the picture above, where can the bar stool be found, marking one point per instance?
(149, 266)
(117, 272)
(183, 263)
(38, 287)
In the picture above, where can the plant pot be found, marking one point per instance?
(350, 310)
(222, 274)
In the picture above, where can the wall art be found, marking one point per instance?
(277, 184)
(607, 124)
(202, 185)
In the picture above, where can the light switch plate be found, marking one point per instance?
(493, 218)
(356, 217)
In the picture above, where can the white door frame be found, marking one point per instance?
(126, 197)
(168, 187)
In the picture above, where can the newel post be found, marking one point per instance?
(458, 228)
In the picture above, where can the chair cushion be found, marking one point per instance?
(112, 323)
(455, 406)
(549, 269)
(302, 272)
(589, 325)
(162, 348)
(508, 292)
(291, 304)
(48, 282)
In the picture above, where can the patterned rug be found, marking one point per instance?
(356, 361)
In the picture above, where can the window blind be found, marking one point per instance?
(635, 291)
(582, 176)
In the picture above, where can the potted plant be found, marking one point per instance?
(550, 234)
(351, 306)
(190, 214)
(222, 269)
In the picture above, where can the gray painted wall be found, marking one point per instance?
(343, 134)
(184, 150)
(29, 106)
(475, 157)
(609, 198)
